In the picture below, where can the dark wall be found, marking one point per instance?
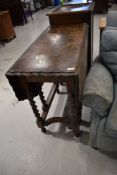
(15, 8)
(101, 5)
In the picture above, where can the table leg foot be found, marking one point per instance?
(58, 91)
(43, 130)
(40, 124)
(77, 122)
(77, 134)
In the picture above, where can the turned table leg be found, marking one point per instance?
(42, 98)
(40, 121)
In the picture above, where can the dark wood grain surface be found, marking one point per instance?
(57, 50)
(75, 14)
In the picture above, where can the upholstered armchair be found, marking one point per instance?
(100, 91)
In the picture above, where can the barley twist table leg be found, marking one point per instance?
(40, 121)
(42, 98)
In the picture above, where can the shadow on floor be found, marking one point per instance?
(66, 134)
(63, 132)
(112, 155)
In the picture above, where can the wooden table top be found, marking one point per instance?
(72, 8)
(57, 50)
(76, 1)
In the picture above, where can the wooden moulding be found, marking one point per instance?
(102, 23)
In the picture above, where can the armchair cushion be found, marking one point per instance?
(98, 90)
(109, 50)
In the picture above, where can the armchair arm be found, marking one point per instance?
(98, 90)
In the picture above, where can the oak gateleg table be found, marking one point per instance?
(58, 56)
